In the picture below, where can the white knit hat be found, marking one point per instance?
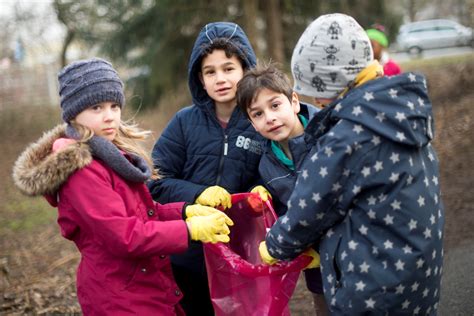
(330, 53)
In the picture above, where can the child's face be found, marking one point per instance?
(274, 116)
(377, 48)
(220, 75)
(102, 118)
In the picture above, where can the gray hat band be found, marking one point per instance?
(78, 79)
(84, 85)
(73, 67)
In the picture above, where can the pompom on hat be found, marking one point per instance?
(85, 83)
(330, 53)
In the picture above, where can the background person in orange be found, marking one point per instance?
(379, 42)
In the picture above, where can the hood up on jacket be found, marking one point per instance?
(40, 171)
(235, 35)
(398, 108)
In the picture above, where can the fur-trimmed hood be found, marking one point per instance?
(39, 170)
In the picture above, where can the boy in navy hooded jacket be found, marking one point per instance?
(265, 95)
(209, 150)
(369, 188)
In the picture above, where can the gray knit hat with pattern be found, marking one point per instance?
(330, 53)
(85, 83)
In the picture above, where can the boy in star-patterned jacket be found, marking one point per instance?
(369, 188)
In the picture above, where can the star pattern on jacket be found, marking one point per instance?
(371, 196)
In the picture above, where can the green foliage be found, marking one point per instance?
(18, 127)
(153, 38)
(22, 213)
(296, 16)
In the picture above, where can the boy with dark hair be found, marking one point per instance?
(265, 95)
(208, 150)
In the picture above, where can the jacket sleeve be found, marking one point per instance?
(169, 157)
(313, 206)
(170, 211)
(98, 209)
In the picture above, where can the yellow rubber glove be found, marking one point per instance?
(215, 196)
(264, 194)
(211, 228)
(266, 258)
(316, 260)
(199, 210)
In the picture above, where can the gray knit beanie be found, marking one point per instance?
(330, 53)
(85, 83)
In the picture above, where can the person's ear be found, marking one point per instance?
(295, 102)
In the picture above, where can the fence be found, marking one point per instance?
(28, 86)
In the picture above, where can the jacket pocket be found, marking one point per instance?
(339, 291)
(332, 270)
(132, 275)
(335, 265)
(154, 272)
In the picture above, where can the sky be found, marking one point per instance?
(41, 33)
(6, 6)
(43, 16)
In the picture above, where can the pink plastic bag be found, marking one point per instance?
(238, 281)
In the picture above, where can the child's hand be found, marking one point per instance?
(199, 210)
(264, 194)
(315, 258)
(211, 228)
(266, 258)
(215, 196)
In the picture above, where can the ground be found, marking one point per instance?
(37, 266)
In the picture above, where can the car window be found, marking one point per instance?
(445, 28)
(425, 29)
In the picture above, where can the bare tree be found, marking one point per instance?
(6, 37)
(274, 30)
(33, 28)
(61, 12)
(250, 10)
(411, 6)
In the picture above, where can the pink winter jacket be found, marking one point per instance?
(124, 236)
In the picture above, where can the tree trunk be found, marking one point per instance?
(274, 31)
(411, 10)
(67, 41)
(250, 8)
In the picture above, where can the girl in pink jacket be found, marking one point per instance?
(93, 170)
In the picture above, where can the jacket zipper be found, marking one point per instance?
(221, 161)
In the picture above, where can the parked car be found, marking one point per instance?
(417, 36)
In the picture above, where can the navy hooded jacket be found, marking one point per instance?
(369, 188)
(194, 152)
(277, 178)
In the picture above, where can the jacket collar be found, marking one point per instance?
(40, 171)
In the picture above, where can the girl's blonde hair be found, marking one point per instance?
(128, 139)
